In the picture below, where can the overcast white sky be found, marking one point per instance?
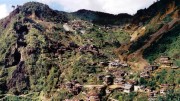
(108, 6)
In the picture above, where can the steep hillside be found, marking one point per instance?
(160, 21)
(38, 55)
(167, 45)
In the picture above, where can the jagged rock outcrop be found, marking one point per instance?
(20, 80)
(12, 57)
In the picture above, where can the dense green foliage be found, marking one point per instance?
(44, 66)
(103, 18)
(168, 44)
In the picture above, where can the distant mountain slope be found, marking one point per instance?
(103, 18)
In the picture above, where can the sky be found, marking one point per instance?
(108, 6)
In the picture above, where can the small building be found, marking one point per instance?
(152, 96)
(164, 85)
(104, 64)
(165, 61)
(71, 100)
(119, 73)
(89, 48)
(67, 28)
(132, 82)
(128, 88)
(117, 63)
(174, 67)
(108, 80)
(152, 99)
(148, 90)
(138, 88)
(72, 45)
(68, 85)
(163, 91)
(73, 87)
(100, 77)
(163, 88)
(150, 68)
(83, 31)
(112, 99)
(164, 58)
(145, 74)
(93, 96)
(114, 64)
(119, 87)
(108, 91)
(168, 63)
(124, 64)
(119, 80)
(110, 70)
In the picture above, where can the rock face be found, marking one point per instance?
(67, 28)
(12, 57)
(19, 80)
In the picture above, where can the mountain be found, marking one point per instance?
(161, 21)
(102, 18)
(53, 55)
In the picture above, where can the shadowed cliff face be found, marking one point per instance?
(19, 81)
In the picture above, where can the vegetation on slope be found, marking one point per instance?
(46, 57)
(167, 45)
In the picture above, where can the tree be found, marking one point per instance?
(13, 6)
(120, 98)
(142, 81)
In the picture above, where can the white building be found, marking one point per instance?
(128, 88)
